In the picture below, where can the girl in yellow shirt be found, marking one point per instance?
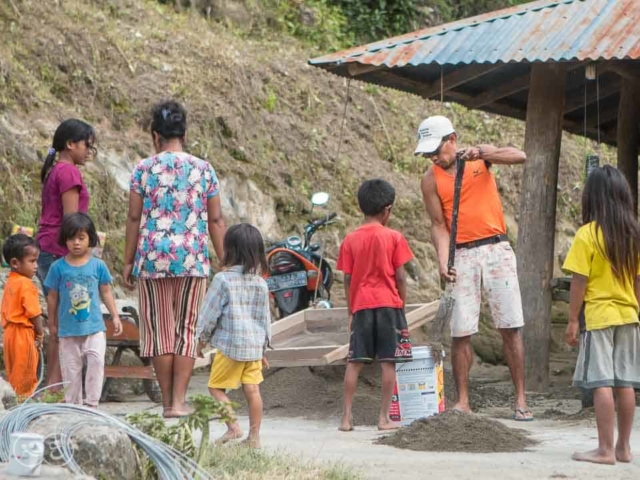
(605, 261)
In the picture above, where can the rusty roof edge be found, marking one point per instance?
(354, 52)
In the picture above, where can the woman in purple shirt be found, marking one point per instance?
(63, 192)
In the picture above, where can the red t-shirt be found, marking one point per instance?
(371, 254)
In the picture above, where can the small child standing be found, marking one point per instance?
(235, 318)
(372, 259)
(605, 261)
(76, 283)
(21, 315)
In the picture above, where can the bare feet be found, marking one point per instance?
(346, 425)
(623, 454)
(251, 442)
(177, 413)
(387, 425)
(230, 435)
(595, 456)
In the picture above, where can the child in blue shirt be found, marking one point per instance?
(75, 285)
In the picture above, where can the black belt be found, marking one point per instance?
(483, 241)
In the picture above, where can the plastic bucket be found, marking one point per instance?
(27, 453)
(419, 389)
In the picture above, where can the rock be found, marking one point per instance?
(242, 201)
(306, 15)
(119, 165)
(101, 451)
(47, 472)
(7, 395)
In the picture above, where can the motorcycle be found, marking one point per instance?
(298, 276)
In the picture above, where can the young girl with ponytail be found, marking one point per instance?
(63, 192)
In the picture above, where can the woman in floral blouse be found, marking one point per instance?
(174, 205)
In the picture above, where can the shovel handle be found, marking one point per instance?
(453, 232)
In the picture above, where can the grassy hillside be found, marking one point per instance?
(257, 112)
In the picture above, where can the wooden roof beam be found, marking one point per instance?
(516, 85)
(605, 116)
(577, 101)
(512, 87)
(456, 78)
(356, 69)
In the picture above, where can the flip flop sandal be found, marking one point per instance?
(524, 417)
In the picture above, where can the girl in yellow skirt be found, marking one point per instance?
(236, 320)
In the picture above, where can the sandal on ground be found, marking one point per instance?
(523, 415)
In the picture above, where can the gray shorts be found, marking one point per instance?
(609, 358)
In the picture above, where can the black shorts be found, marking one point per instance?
(381, 333)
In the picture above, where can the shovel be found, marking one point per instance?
(447, 301)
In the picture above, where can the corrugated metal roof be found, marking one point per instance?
(564, 30)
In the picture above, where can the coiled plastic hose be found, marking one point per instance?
(170, 463)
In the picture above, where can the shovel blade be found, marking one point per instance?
(443, 316)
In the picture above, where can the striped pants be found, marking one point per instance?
(169, 309)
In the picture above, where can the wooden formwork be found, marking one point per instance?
(316, 337)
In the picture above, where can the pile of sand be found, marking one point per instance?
(459, 432)
(316, 393)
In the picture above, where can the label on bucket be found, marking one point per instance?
(419, 390)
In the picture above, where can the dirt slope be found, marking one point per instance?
(257, 111)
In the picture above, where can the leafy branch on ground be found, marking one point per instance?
(180, 435)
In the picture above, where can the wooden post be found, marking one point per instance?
(537, 222)
(629, 134)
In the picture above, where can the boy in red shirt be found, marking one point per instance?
(372, 258)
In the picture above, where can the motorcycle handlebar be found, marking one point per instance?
(322, 221)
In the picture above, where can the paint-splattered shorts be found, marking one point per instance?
(489, 269)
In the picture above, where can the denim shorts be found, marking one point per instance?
(45, 260)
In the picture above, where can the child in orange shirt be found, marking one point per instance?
(21, 315)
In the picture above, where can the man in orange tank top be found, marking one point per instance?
(484, 261)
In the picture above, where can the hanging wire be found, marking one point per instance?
(344, 117)
(586, 83)
(598, 106)
(441, 84)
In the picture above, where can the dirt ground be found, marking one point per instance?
(302, 409)
(454, 431)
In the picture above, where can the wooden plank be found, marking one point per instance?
(335, 317)
(337, 354)
(536, 233)
(628, 137)
(298, 356)
(296, 328)
(122, 371)
(315, 315)
(288, 322)
(423, 315)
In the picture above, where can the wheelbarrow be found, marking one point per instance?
(129, 339)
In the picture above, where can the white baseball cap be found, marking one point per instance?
(431, 132)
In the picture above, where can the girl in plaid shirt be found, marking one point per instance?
(236, 320)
